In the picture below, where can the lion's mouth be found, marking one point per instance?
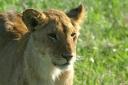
(61, 65)
(61, 62)
(65, 64)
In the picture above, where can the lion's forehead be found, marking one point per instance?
(58, 16)
(59, 26)
(60, 21)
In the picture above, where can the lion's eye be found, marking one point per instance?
(74, 36)
(52, 36)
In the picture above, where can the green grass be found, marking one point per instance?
(103, 43)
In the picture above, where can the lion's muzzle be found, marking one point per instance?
(67, 56)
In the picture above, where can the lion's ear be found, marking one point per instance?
(32, 18)
(77, 14)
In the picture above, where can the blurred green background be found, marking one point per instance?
(103, 44)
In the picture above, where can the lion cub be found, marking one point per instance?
(39, 48)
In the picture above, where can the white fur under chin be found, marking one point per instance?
(41, 67)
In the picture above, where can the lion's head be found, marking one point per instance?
(55, 33)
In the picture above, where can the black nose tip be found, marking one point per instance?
(67, 56)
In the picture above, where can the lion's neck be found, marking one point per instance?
(38, 68)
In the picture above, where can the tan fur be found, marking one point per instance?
(38, 48)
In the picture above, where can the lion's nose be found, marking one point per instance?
(67, 56)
